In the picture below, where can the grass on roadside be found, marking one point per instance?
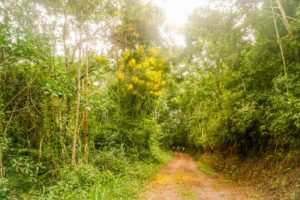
(110, 175)
(206, 169)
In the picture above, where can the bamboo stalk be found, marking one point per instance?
(284, 17)
(279, 43)
(76, 131)
(86, 112)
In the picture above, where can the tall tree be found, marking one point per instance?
(139, 25)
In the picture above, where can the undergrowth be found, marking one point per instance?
(276, 176)
(206, 169)
(111, 174)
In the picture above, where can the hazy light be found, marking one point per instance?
(177, 13)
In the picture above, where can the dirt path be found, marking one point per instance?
(182, 180)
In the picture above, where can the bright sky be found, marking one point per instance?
(177, 13)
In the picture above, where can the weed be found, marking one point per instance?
(207, 169)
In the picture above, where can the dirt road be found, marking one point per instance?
(182, 180)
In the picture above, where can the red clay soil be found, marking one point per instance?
(182, 180)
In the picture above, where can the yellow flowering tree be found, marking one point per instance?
(140, 72)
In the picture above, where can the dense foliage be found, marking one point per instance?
(239, 86)
(90, 94)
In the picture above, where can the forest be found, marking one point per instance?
(95, 93)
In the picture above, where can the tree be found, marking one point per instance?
(139, 25)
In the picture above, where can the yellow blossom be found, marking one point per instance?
(152, 61)
(155, 86)
(132, 63)
(121, 66)
(99, 58)
(126, 54)
(158, 93)
(148, 74)
(142, 71)
(149, 85)
(138, 66)
(146, 64)
(120, 76)
(129, 86)
(141, 82)
(135, 79)
(141, 49)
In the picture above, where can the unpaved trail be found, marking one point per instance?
(182, 180)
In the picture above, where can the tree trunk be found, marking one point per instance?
(279, 43)
(40, 147)
(76, 130)
(1, 163)
(86, 112)
(67, 67)
(73, 162)
(284, 17)
(68, 117)
(287, 25)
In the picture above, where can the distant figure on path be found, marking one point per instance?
(178, 149)
(173, 149)
(182, 149)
